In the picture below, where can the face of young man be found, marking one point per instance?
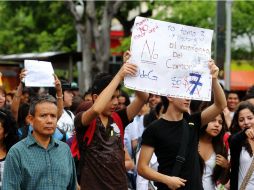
(232, 101)
(44, 120)
(68, 96)
(181, 105)
(112, 105)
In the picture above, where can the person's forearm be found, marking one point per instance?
(219, 95)
(106, 95)
(150, 174)
(60, 106)
(16, 101)
(136, 105)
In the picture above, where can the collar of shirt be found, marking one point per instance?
(30, 141)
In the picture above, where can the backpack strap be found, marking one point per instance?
(69, 113)
(79, 143)
(181, 155)
(89, 133)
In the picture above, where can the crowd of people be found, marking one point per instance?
(55, 138)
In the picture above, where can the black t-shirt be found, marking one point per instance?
(165, 136)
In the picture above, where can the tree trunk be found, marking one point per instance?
(93, 32)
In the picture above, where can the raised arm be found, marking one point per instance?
(135, 106)
(59, 97)
(16, 100)
(105, 96)
(140, 97)
(219, 97)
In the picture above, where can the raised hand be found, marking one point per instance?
(22, 74)
(126, 56)
(57, 84)
(127, 69)
(250, 133)
(214, 70)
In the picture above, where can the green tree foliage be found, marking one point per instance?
(35, 26)
(192, 12)
(243, 25)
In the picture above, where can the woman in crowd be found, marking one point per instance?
(213, 153)
(8, 137)
(242, 147)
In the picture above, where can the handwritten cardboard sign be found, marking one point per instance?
(39, 73)
(172, 59)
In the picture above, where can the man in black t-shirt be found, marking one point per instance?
(163, 137)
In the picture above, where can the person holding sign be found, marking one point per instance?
(102, 156)
(174, 140)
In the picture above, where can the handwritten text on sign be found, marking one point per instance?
(172, 59)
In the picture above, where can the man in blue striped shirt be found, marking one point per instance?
(39, 161)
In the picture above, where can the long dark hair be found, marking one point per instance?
(235, 128)
(219, 148)
(10, 128)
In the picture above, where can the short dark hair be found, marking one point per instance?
(100, 82)
(40, 99)
(232, 92)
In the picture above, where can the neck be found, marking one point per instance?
(173, 115)
(206, 138)
(42, 140)
(231, 109)
(2, 144)
(104, 119)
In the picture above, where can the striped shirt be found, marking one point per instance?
(29, 166)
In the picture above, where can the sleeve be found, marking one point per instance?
(80, 129)
(73, 181)
(148, 137)
(77, 120)
(123, 115)
(134, 131)
(194, 121)
(12, 176)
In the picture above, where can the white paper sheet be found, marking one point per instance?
(39, 74)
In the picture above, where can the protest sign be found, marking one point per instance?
(172, 59)
(39, 74)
